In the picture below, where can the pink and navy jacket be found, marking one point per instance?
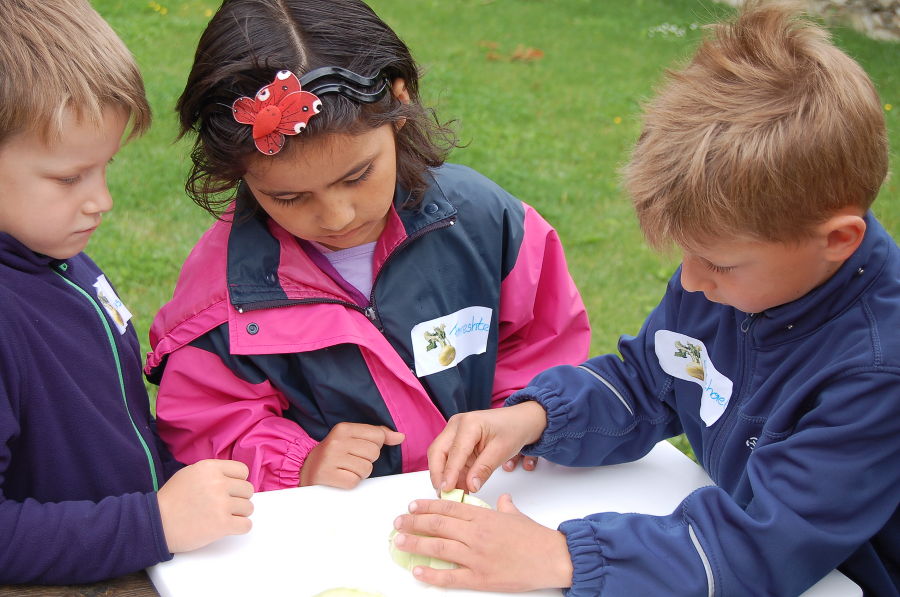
(261, 352)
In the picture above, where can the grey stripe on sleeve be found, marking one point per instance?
(710, 581)
(610, 386)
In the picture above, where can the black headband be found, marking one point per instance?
(334, 79)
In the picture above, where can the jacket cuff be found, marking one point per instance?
(588, 563)
(294, 457)
(557, 417)
(159, 534)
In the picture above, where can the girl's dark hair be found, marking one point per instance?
(248, 41)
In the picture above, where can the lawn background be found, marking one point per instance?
(545, 93)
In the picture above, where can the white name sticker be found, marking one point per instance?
(686, 358)
(114, 306)
(443, 342)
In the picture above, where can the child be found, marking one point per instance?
(80, 463)
(359, 291)
(775, 349)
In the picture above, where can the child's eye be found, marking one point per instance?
(719, 269)
(362, 177)
(68, 180)
(286, 201)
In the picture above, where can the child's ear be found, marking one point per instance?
(843, 234)
(399, 90)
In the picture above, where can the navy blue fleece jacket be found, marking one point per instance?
(80, 461)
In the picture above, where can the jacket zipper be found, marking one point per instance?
(724, 429)
(115, 352)
(371, 311)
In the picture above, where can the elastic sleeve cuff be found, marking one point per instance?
(159, 534)
(294, 457)
(588, 563)
(557, 417)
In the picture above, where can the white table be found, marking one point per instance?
(309, 539)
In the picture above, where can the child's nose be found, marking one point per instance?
(336, 214)
(694, 276)
(100, 199)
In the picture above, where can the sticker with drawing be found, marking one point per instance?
(687, 358)
(111, 302)
(443, 342)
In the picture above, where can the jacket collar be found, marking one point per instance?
(17, 256)
(266, 267)
(808, 313)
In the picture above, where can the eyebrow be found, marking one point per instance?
(359, 166)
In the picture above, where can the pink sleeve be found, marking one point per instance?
(543, 321)
(205, 411)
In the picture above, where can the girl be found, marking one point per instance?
(356, 291)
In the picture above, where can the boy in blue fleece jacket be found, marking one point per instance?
(84, 494)
(776, 350)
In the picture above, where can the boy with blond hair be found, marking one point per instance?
(775, 350)
(84, 494)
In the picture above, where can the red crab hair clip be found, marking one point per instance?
(278, 109)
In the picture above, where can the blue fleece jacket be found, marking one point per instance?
(79, 456)
(793, 412)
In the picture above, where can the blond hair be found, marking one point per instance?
(57, 55)
(768, 131)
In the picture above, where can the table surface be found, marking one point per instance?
(309, 539)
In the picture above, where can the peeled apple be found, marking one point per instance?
(411, 560)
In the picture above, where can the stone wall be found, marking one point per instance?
(877, 18)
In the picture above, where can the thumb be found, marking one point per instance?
(392, 438)
(505, 504)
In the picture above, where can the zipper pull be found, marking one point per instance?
(370, 313)
(745, 325)
(373, 317)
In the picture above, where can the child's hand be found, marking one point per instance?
(345, 456)
(474, 444)
(500, 550)
(204, 502)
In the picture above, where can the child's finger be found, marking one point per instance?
(434, 524)
(510, 465)
(459, 578)
(240, 489)
(437, 453)
(448, 550)
(363, 448)
(484, 466)
(233, 469)
(461, 448)
(239, 525)
(436, 465)
(505, 504)
(241, 507)
(341, 478)
(358, 466)
(377, 434)
(230, 468)
(391, 437)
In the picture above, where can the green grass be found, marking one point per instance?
(553, 130)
